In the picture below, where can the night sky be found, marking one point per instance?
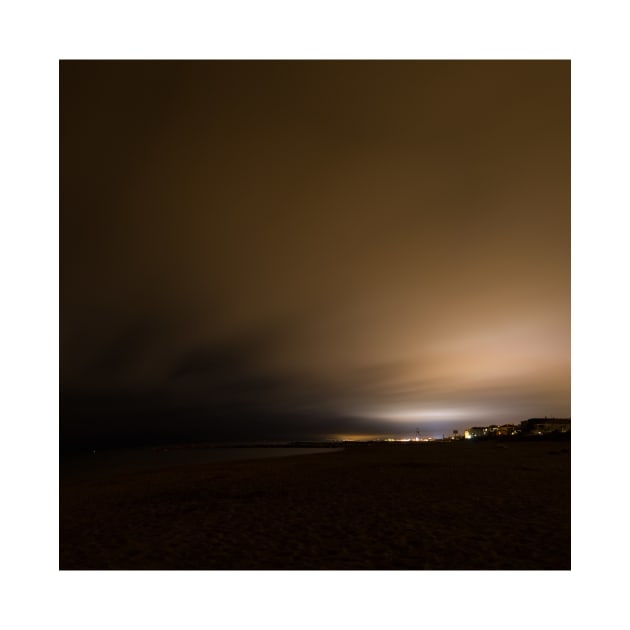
(304, 250)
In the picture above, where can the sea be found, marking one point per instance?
(141, 459)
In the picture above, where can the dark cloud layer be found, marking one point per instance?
(313, 248)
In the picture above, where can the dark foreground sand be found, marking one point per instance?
(405, 506)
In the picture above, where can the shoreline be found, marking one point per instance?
(375, 507)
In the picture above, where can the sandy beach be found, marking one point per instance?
(435, 506)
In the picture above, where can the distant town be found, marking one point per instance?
(527, 428)
(532, 426)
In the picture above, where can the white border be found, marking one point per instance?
(37, 34)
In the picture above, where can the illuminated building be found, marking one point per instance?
(540, 426)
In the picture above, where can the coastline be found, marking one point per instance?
(456, 506)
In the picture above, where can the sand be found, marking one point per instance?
(433, 506)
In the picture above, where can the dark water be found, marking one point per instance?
(133, 460)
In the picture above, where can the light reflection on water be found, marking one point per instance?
(134, 460)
